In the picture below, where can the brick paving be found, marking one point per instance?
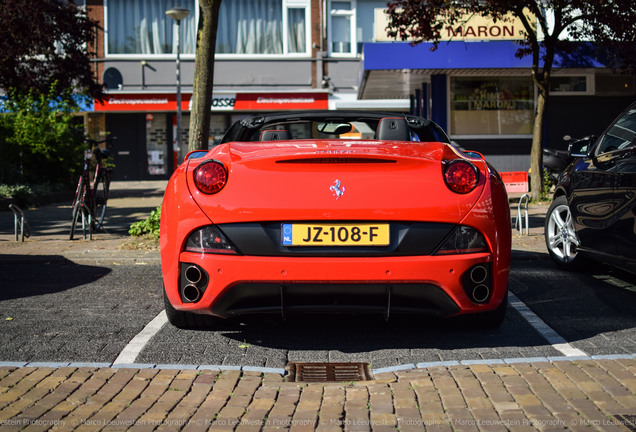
(560, 395)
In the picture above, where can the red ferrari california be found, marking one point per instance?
(335, 212)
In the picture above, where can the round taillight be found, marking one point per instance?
(461, 176)
(210, 177)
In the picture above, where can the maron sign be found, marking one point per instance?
(468, 28)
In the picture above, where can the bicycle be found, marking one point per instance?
(90, 202)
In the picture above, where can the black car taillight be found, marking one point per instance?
(463, 240)
(209, 240)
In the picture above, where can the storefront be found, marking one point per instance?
(484, 97)
(145, 124)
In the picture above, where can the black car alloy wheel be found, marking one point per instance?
(560, 237)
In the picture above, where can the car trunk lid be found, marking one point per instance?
(336, 180)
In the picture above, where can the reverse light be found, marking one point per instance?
(209, 240)
(463, 240)
(461, 176)
(210, 177)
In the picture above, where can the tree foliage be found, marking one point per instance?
(44, 42)
(40, 140)
(550, 28)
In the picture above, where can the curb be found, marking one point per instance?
(282, 371)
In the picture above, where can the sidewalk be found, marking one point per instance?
(50, 225)
(590, 393)
(559, 395)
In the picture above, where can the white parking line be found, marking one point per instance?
(557, 342)
(131, 351)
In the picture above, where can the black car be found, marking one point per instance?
(592, 213)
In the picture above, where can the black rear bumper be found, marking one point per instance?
(324, 298)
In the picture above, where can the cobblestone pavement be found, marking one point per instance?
(590, 393)
(559, 395)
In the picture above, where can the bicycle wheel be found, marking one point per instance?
(101, 201)
(78, 201)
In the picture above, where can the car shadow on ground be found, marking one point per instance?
(580, 305)
(367, 333)
(43, 274)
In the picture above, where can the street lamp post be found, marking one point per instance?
(178, 14)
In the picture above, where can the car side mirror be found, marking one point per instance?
(473, 154)
(581, 147)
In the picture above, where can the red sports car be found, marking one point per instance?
(335, 212)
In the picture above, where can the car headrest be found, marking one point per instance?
(274, 135)
(393, 129)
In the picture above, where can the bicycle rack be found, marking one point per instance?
(19, 220)
(86, 212)
(519, 220)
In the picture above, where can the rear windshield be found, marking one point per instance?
(359, 129)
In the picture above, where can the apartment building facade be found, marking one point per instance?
(274, 55)
(271, 55)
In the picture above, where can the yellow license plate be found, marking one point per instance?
(364, 234)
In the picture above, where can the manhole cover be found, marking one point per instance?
(328, 372)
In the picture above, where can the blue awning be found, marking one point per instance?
(474, 55)
(448, 55)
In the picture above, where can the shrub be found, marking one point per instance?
(150, 226)
(23, 195)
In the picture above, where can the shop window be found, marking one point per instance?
(255, 27)
(569, 85)
(491, 106)
(142, 27)
(157, 144)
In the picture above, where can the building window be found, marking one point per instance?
(351, 24)
(142, 27)
(341, 27)
(257, 27)
(570, 85)
(491, 106)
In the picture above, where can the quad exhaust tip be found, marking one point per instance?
(191, 293)
(476, 283)
(193, 275)
(194, 281)
(478, 274)
(481, 293)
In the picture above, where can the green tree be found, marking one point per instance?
(550, 27)
(40, 139)
(44, 42)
